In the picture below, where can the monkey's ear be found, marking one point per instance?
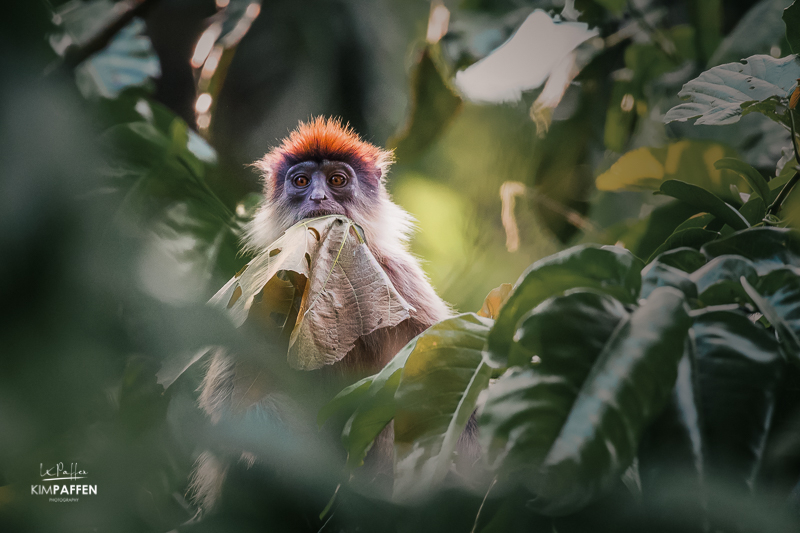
(383, 163)
(266, 166)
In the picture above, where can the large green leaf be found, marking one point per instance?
(526, 408)
(723, 94)
(754, 210)
(438, 389)
(738, 366)
(568, 431)
(378, 405)
(375, 410)
(579, 321)
(768, 248)
(610, 269)
(791, 17)
(706, 201)
(647, 168)
(777, 296)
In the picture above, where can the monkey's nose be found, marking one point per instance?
(318, 196)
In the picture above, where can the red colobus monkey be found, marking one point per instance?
(325, 168)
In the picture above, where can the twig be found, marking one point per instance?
(76, 54)
(477, 516)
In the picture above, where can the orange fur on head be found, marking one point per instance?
(321, 139)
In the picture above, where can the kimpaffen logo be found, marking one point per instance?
(73, 488)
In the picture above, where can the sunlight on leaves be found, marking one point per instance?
(689, 161)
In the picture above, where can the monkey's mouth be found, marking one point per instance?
(322, 213)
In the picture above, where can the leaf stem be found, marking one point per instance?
(775, 207)
(794, 135)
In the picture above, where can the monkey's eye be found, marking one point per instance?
(337, 180)
(301, 181)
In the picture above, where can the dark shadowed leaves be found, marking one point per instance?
(777, 296)
(671, 455)
(157, 171)
(559, 328)
(768, 248)
(658, 274)
(738, 366)
(588, 416)
(685, 259)
(689, 237)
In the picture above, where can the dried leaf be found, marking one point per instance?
(320, 285)
(495, 300)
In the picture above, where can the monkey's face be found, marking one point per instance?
(318, 188)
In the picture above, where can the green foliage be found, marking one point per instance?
(705, 201)
(754, 179)
(433, 107)
(587, 374)
(609, 269)
(777, 298)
